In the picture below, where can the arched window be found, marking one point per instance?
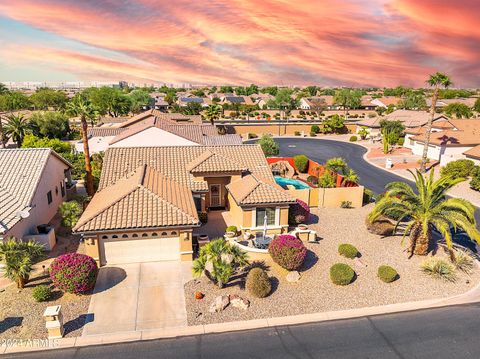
(125, 236)
(104, 237)
(154, 234)
(174, 233)
(114, 236)
(134, 235)
(144, 235)
(164, 233)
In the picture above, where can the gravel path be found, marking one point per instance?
(316, 293)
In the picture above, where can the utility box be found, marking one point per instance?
(388, 163)
(54, 321)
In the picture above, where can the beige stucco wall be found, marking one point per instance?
(329, 197)
(223, 181)
(284, 129)
(42, 212)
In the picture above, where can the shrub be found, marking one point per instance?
(313, 134)
(74, 272)
(347, 250)
(315, 129)
(382, 226)
(401, 141)
(387, 274)
(367, 196)
(346, 204)
(233, 229)
(458, 169)
(258, 283)
(299, 212)
(70, 212)
(287, 251)
(313, 180)
(269, 146)
(463, 261)
(301, 162)
(203, 217)
(41, 293)
(353, 138)
(475, 182)
(252, 135)
(439, 268)
(341, 274)
(297, 133)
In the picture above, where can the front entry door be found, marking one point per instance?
(215, 195)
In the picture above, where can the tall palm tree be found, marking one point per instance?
(213, 113)
(427, 210)
(19, 257)
(436, 81)
(16, 128)
(81, 107)
(217, 259)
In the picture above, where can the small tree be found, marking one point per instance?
(363, 133)
(269, 146)
(70, 212)
(336, 164)
(19, 256)
(333, 124)
(217, 260)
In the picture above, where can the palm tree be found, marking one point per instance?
(427, 210)
(349, 175)
(217, 259)
(213, 113)
(19, 257)
(17, 127)
(81, 107)
(436, 81)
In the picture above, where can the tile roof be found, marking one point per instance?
(210, 162)
(250, 191)
(467, 133)
(409, 118)
(142, 199)
(473, 152)
(104, 131)
(228, 139)
(20, 173)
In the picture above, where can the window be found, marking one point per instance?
(115, 236)
(49, 197)
(173, 233)
(124, 235)
(104, 237)
(260, 216)
(154, 234)
(62, 188)
(197, 198)
(134, 235)
(144, 235)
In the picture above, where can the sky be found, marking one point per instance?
(266, 42)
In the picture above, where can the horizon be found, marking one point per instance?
(362, 44)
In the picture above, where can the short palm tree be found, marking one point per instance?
(217, 260)
(436, 81)
(16, 128)
(213, 113)
(18, 257)
(350, 175)
(429, 209)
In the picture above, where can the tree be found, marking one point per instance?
(347, 99)
(333, 124)
(45, 99)
(139, 99)
(217, 260)
(226, 89)
(476, 106)
(436, 81)
(395, 129)
(429, 209)
(213, 113)
(50, 124)
(10, 102)
(70, 212)
(170, 98)
(459, 110)
(19, 256)
(413, 100)
(108, 100)
(3, 89)
(81, 107)
(336, 164)
(269, 146)
(318, 106)
(61, 147)
(16, 127)
(349, 175)
(192, 108)
(363, 132)
(312, 90)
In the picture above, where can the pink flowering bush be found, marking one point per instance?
(74, 273)
(299, 213)
(287, 251)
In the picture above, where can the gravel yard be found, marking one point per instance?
(315, 292)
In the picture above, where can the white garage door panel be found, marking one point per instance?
(118, 251)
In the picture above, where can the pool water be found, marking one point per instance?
(290, 181)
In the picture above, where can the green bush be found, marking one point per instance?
(269, 146)
(458, 169)
(439, 268)
(341, 274)
(353, 138)
(313, 134)
(70, 212)
(301, 162)
(401, 141)
(367, 196)
(233, 229)
(387, 274)
(297, 133)
(258, 283)
(347, 250)
(464, 261)
(315, 129)
(252, 135)
(346, 204)
(41, 293)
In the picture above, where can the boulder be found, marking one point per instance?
(219, 304)
(293, 277)
(239, 302)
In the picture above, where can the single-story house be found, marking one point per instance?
(149, 199)
(311, 103)
(99, 138)
(203, 101)
(473, 154)
(409, 118)
(386, 101)
(450, 140)
(33, 184)
(234, 99)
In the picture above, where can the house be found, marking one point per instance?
(99, 138)
(176, 117)
(450, 140)
(158, 101)
(149, 199)
(261, 100)
(311, 103)
(366, 103)
(409, 118)
(234, 99)
(386, 101)
(473, 154)
(33, 184)
(203, 101)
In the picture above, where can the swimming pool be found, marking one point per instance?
(290, 181)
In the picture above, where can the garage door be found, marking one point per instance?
(118, 251)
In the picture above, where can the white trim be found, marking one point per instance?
(277, 219)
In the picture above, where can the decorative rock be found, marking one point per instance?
(238, 302)
(293, 276)
(199, 295)
(219, 304)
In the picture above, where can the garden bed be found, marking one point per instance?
(316, 293)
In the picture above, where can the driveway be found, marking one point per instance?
(138, 296)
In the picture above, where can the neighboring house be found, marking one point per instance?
(158, 99)
(473, 154)
(33, 184)
(310, 103)
(184, 101)
(149, 198)
(176, 117)
(386, 101)
(450, 140)
(160, 131)
(409, 118)
(366, 103)
(99, 138)
(233, 99)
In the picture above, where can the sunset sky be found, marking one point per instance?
(282, 42)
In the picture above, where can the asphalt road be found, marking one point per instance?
(435, 333)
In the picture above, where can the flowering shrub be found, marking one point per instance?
(287, 251)
(299, 213)
(74, 272)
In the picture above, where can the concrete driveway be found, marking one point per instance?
(138, 296)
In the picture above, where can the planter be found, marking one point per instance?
(230, 234)
(303, 227)
(247, 236)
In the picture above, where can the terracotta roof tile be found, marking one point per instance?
(210, 161)
(250, 191)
